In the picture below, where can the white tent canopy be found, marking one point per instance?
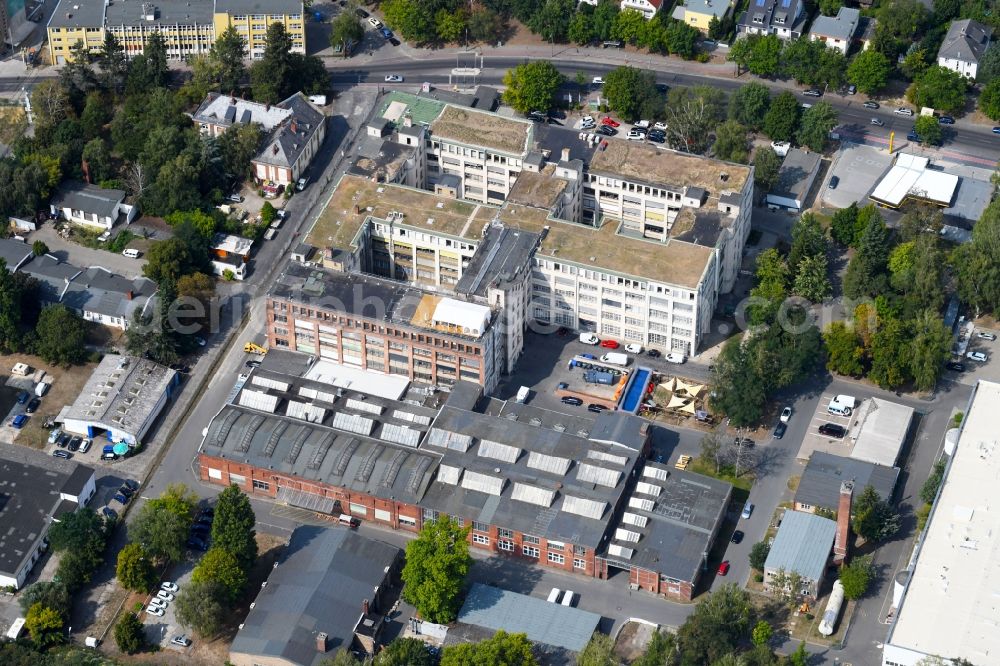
(469, 317)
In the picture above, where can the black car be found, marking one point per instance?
(253, 364)
(653, 353)
(130, 484)
(121, 498)
(23, 397)
(75, 443)
(656, 138)
(537, 116)
(956, 366)
(832, 430)
(200, 531)
(834, 181)
(744, 441)
(63, 440)
(33, 405)
(594, 407)
(197, 543)
(607, 131)
(946, 120)
(779, 430)
(394, 41)
(109, 513)
(737, 536)
(571, 400)
(362, 13)
(126, 491)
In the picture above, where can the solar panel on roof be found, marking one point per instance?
(599, 475)
(583, 507)
(393, 432)
(620, 551)
(648, 489)
(447, 439)
(546, 463)
(623, 534)
(484, 483)
(634, 519)
(490, 449)
(524, 492)
(353, 423)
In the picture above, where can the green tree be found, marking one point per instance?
(772, 277)
(692, 113)
(271, 75)
(437, 562)
(866, 273)
(98, 160)
(844, 350)
(450, 25)
(766, 165)
(681, 39)
(741, 52)
(38, 248)
(930, 347)
(410, 19)
(228, 53)
(129, 635)
(626, 88)
(800, 657)
(762, 633)
(874, 519)
(928, 129)
(629, 26)
(782, 118)
(112, 63)
(939, 88)
(135, 570)
(844, 224)
(718, 625)
(485, 24)
(811, 281)
(551, 21)
(929, 491)
(60, 336)
(50, 594)
(599, 652)
(44, 625)
(765, 55)
(989, 65)
(501, 648)
(738, 391)
(660, 650)
(830, 7)
(857, 576)
(220, 566)
(731, 142)
(758, 554)
(79, 532)
(346, 31)
(816, 125)
(808, 239)
(233, 526)
(185, 253)
(749, 105)
(149, 70)
(405, 652)
(532, 86)
(162, 524)
(204, 607)
(343, 657)
(869, 71)
(581, 26)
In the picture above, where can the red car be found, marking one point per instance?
(607, 120)
(609, 344)
(724, 568)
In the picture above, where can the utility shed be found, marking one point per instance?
(802, 545)
(795, 179)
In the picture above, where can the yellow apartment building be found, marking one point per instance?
(189, 26)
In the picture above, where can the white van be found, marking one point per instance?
(554, 595)
(522, 394)
(589, 338)
(41, 388)
(842, 405)
(615, 358)
(568, 597)
(674, 357)
(131, 253)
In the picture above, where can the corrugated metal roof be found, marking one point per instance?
(802, 545)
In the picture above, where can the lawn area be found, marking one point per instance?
(743, 482)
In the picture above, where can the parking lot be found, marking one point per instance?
(814, 440)
(160, 630)
(859, 168)
(976, 370)
(84, 257)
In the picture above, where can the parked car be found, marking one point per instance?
(976, 356)
(197, 543)
(375, 23)
(182, 641)
(633, 348)
(597, 81)
(812, 92)
(996, 130)
(571, 400)
(834, 181)
(85, 445)
(903, 111)
(786, 415)
(657, 137)
(75, 443)
(779, 430)
(169, 587)
(660, 126)
(588, 121)
(54, 436)
(595, 408)
(946, 120)
(851, 89)
(386, 33)
(870, 105)
(121, 498)
(955, 365)
(126, 491)
(23, 397)
(653, 353)
(393, 78)
(986, 335)
(609, 344)
(109, 513)
(606, 130)
(611, 122)
(166, 596)
(877, 122)
(154, 610)
(737, 536)
(33, 405)
(724, 568)
(235, 198)
(132, 484)
(743, 441)
(19, 421)
(832, 430)
(158, 602)
(674, 357)
(59, 453)
(635, 135)
(747, 510)
(63, 440)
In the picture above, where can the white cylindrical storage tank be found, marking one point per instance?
(829, 621)
(951, 441)
(898, 585)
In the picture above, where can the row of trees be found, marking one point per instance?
(806, 61)
(159, 533)
(895, 334)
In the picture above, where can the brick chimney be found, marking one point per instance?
(842, 541)
(321, 642)
(128, 294)
(364, 607)
(295, 127)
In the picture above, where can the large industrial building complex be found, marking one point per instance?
(570, 493)
(946, 604)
